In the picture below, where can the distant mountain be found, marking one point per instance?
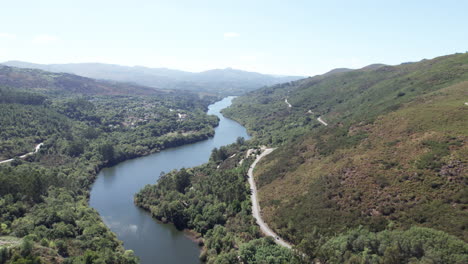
(65, 83)
(218, 81)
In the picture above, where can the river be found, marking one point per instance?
(112, 195)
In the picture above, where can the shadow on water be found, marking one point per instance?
(112, 195)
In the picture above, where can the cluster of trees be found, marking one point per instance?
(416, 245)
(21, 255)
(26, 121)
(64, 226)
(138, 125)
(264, 250)
(218, 195)
(10, 96)
(43, 198)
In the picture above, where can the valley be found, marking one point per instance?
(340, 167)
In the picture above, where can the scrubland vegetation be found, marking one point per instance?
(390, 167)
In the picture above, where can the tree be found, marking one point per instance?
(182, 180)
(107, 152)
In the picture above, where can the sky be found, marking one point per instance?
(290, 37)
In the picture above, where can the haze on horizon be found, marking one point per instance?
(276, 37)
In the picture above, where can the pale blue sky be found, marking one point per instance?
(279, 37)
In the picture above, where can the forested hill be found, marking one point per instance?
(83, 126)
(218, 81)
(386, 180)
(60, 83)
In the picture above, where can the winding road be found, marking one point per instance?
(256, 211)
(36, 149)
(310, 112)
(256, 206)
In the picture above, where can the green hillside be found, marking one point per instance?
(391, 164)
(343, 97)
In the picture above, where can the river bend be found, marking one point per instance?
(112, 195)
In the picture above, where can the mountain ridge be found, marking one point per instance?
(226, 81)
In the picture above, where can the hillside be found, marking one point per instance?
(391, 160)
(219, 81)
(344, 97)
(58, 83)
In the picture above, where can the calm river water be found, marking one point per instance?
(112, 195)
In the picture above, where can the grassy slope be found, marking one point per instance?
(394, 155)
(384, 178)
